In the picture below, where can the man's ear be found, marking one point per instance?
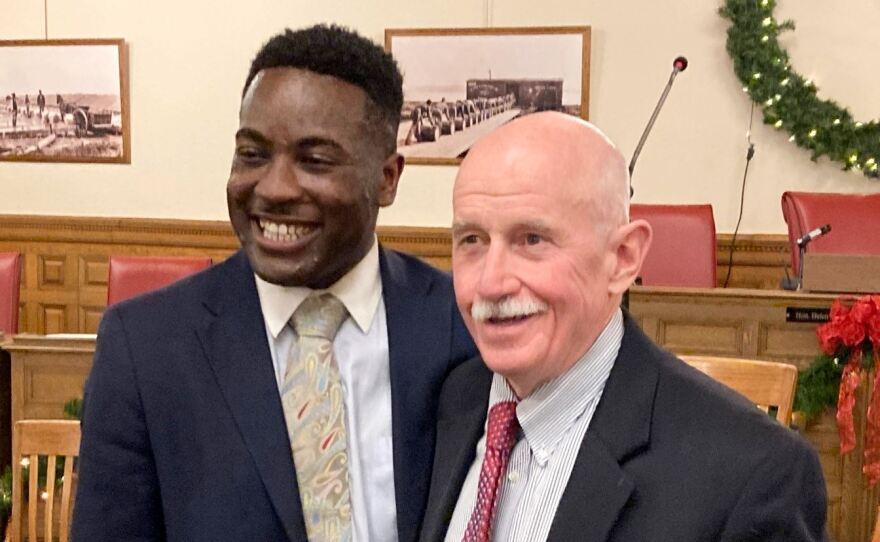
(391, 171)
(630, 244)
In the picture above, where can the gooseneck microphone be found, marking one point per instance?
(814, 234)
(802, 243)
(678, 65)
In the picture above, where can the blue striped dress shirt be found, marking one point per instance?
(554, 419)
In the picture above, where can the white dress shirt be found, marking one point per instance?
(554, 420)
(361, 351)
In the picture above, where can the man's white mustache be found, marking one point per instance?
(508, 307)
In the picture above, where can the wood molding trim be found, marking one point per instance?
(130, 231)
(64, 272)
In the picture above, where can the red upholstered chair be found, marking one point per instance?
(10, 281)
(683, 249)
(133, 275)
(854, 220)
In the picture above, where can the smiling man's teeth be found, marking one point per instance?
(277, 231)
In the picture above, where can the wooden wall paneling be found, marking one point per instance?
(759, 260)
(93, 268)
(22, 316)
(46, 373)
(64, 271)
(434, 245)
(717, 336)
(728, 322)
(785, 341)
(822, 434)
(64, 287)
(51, 291)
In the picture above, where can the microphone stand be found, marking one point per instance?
(802, 250)
(678, 65)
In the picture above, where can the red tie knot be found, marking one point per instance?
(503, 426)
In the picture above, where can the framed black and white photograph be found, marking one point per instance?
(461, 83)
(64, 101)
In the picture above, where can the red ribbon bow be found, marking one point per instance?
(855, 328)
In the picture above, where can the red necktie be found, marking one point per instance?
(501, 435)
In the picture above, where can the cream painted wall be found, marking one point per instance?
(187, 60)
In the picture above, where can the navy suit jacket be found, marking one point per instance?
(669, 455)
(183, 430)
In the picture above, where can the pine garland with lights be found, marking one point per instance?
(818, 386)
(790, 101)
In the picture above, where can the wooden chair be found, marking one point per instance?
(53, 439)
(766, 383)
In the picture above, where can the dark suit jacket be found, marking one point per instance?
(670, 455)
(183, 430)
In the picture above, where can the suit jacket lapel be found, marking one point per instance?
(459, 428)
(234, 339)
(621, 427)
(418, 344)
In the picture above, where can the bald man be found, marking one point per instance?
(573, 426)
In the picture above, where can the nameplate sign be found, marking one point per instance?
(810, 315)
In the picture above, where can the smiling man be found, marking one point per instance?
(572, 425)
(288, 393)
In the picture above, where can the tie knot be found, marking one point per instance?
(319, 316)
(503, 426)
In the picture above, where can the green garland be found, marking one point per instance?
(789, 100)
(819, 384)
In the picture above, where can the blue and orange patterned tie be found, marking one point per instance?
(315, 414)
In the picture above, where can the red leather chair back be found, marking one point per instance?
(133, 275)
(683, 249)
(854, 219)
(10, 282)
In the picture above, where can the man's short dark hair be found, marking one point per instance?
(344, 54)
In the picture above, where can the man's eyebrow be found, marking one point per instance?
(250, 133)
(458, 227)
(535, 225)
(309, 142)
(306, 143)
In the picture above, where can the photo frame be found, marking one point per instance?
(461, 83)
(64, 101)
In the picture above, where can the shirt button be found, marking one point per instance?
(513, 477)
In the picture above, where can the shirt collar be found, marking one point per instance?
(359, 290)
(549, 412)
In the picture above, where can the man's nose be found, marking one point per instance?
(281, 181)
(497, 277)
